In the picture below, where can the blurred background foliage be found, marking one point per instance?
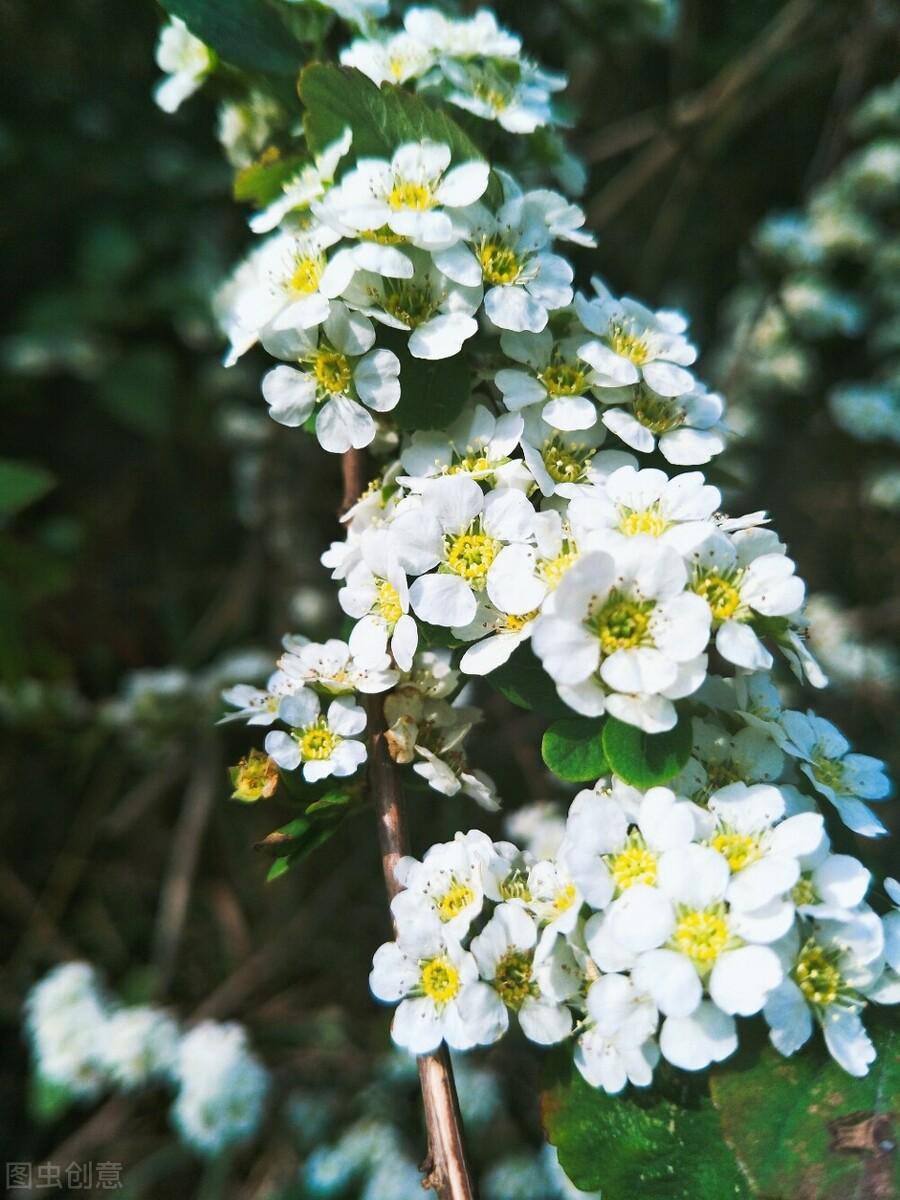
(158, 533)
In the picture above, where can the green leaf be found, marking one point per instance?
(802, 1127)
(432, 394)
(330, 800)
(47, 1101)
(637, 1144)
(245, 33)
(298, 839)
(261, 182)
(645, 760)
(381, 118)
(573, 750)
(21, 484)
(525, 682)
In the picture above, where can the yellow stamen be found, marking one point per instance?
(720, 594)
(622, 624)
(818, 975)
(317, 741)
(634, 864)
(454, 901)
(470, 555)
(513, 980)
(332, 371)
(306, 275)
(439, 979)
(407, 194)
(702, 934)
(499, 263)
(387, 602)
(740, 849)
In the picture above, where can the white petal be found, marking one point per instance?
(442, 600)
(708, 1035)
(343, 424)
(670, 979)
(741, 979)
(790, 1021)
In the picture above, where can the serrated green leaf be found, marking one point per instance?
(432, 394)
(244, 33)
(381, 118)
(573, 750)
(525, 682)
(638, 1143)
(645, 760)
(261, 182)
(803, 1127)
(21, 484)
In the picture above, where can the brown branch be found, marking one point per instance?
(353, 472)
(445, 1169)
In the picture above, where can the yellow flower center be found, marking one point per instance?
(515, 623)
(563, 466)
(720, 594)
(656, 413)
(439, 979)
(471, 554)
(499, 263)
(515, 887)
(804, 891)
(387, 601)
(471, 464)
(564, 379)
(512, 979)
(306, 275)
(552, 569)
(634, 864)
(740, 849)
(622, 624)
(702, 934)
(332, 371)
(818, 975)
(626, 342)
(828, 772)
(647, 520)
(317, 741)
(454, 901)
(492, 97)
(384, 236)
(409, 302)
(564, 898)
(407, 194)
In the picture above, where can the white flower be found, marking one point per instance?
(721, 760)
(222, 1087)
(692, 1042)
(533, 979)
(617, 1047)
(519, 105)
(477, 444)
(635, 343)
(478, 36)
(557, 379)
(258, 706)
(645, 503)
(687, 428)
(331, 666)
(65, 1019)
(139, 1044)
(448, 774)
(558, 459)
(742, 580)
(339, 374)
(308, 184)
(605, 858)
(286, 283)
(540, 827)
(446, 884)
(497, 635)
(846, 780)
(463, 532)
(552, 896)
(409, 194)
(508, 254)
(185, 59)
(396, 59)
(324, 743)
(624, 636)
(829, 972)
(437, 312)
(441, 997)
(376, 592)
(245, 127)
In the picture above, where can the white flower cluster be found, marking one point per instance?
(313, 692)
(85, 1042)
(658, 922)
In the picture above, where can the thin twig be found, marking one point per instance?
(445, 1169)
(353, 471)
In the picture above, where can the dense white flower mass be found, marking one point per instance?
(85, 1042)
(655, 925)
(531, 524)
